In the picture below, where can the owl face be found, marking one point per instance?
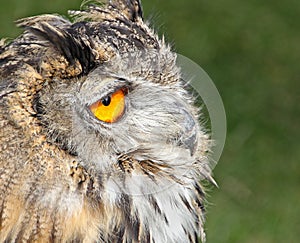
(124, 109)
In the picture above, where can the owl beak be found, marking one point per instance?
(189, 135)
(191, 143)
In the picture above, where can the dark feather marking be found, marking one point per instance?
(197, 222)
(165, 218)
(120, 234)
(77, 239)
(151, 176)
(81, 51)
(125, 203)
(199, 190)
(35, 232)
(132, 223)
(190, 238)
(121, 166)
(7, 87)
(58, 42)
(196, 237)
(9, 68)
(142, 32)
(37, 106)
(148, 236)
(137, 42)
(200, 198)
(2, 48)
(187, 233)
(3, 61)
(200, 205)
(8, 239)
(111, 41)
(20, 236)
(90, 187)
(136, 228)
(149, 169)
(193, 239)
(125, 164)
(38, 224)
(1, 214)
(153, 202)
(121, 20)
(52, 234)
(133, 6)
(186, 203)
(139, 11)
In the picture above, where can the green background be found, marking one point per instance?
(251, 50)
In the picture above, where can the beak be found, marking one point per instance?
(189, 132)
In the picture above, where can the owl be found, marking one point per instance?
(100, 140)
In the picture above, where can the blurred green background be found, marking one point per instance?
(251, 50)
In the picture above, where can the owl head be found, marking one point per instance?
(112, 92)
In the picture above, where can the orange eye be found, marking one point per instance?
(110, 108)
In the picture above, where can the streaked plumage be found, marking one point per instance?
(65, 176)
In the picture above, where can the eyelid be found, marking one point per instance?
(126, 86)
(95, 87)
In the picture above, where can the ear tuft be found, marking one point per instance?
(57, 32)
(101, 9)
(131, 8)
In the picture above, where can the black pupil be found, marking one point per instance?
(106, 101)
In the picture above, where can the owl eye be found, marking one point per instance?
(110, 108)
